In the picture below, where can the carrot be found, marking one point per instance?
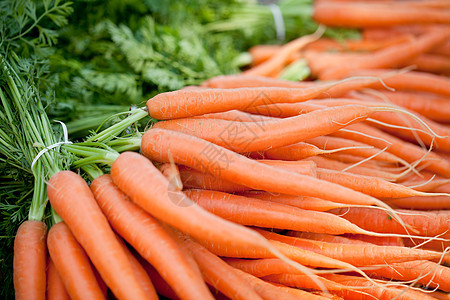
(55, 286)
(331, 143)
(407, 151)
(277, 62)
(325, 44)
(269, 214)
(411, 81)
(72, 264)
(434, 245)
(261, 53)
(149, 239)
(29, 267)
(375, 15)
(300, 167)
(432, 63)
(135, 175)
(259, 136)
(186, 103)
(172, 174)
(199, 180)
(390, 57)
(92, 231)
(207, 157)
(261, 267)
(429, 105)
(372, 186)
(377, 240)
(425, 272)
(266, 290)
(236, 115)
(139, 271)
(327, 163)
(324, 237)
(216, 272)
(302, 282)
(421, 202)
(430, 223)
(303, 202)
(373, 291)
(355, 254)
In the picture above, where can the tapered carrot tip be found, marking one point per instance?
(30, 261)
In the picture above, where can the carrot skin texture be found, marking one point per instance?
(93, 232)
(192, 152)
(30, 260)
(55, 287)
(260, 136)
(72, 263)
(173, 207)
(148, 238)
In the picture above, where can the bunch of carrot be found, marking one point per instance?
(252, 187)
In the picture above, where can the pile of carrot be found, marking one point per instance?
(253, 187)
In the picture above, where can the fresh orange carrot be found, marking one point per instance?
(300, 167)
(278, 61)
(207, 157)
(429, 105)
(375, 15)
(172, 174)
(429, 223)
(355, 254)
(426, 272)
(259, 136)
(324, 237)
(302, 282)
(55, 287)
(72, 264)
(432, 63)
(269, 214)
(412, 81)
(303, 202)
(199, 180)
(325, 44)
(261, 53)
(174, 208)
(216, 272)
(139, 271)
(185, 103)
(242, 81)
(29, 267)
(92, 231)
(421, 202)
(149, 239)
(407, 151)
(434, 245)
(373, 291)
(266, 290)
(390, 57)
(377, 240)
(372, 186)
(261, 267)
(236, 115)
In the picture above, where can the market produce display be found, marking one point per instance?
(215, 151)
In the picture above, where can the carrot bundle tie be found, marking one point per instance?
(48, 148)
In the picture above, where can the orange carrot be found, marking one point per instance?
(430, 223)
(426, 272)
(302, 282)
(421, 202)
(277, 62)
(172, 174)
(199, 180)
(207, 157)
(429, 105)
(149, 239)
(29, 267)
(355, 254)
(432, 63)
(92, 231)
(390, 57)
(185, 103)
(377, 240)
(217, 273)
(303, 202)
(371, 15)
(242, 81)
(261, 267)
(55, 287)
(261, 53)
(269, 214)
(259, 136)
(324, 237)
(140, 272)
(72, 264)
(373, 291)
